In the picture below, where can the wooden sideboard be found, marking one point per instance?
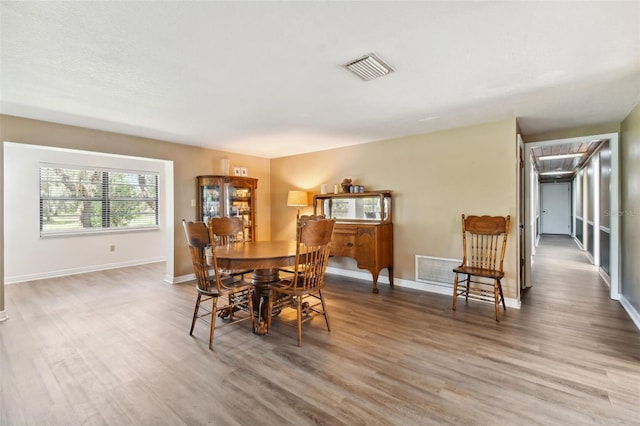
(363, 229)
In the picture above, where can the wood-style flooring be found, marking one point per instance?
(113, 348)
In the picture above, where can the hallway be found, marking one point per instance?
(569, 309)
(565, 282)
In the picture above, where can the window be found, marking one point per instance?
(77, 200)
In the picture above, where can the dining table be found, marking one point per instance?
(265, 258)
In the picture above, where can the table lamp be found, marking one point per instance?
(297, 199)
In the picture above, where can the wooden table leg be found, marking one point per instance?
(261, 279)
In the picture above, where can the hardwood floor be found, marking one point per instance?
(113, 348)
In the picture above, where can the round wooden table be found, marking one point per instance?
(264, 257)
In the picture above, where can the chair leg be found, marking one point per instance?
(250, 302)
(504, 305)
(496, 297)
(272, 295)
(467, 288)
(455, 291)
(230, 308)
(324, 310)
(195, 314)
(299, 311)
(214, 308)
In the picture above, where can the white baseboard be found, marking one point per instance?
(74, 271)
(180, 279)
(360, 275)
(589, 257)
(384, 279)
(578, 243)
(3, 316)
(631, 310)
(605, 276)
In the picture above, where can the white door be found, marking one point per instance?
(556, 208)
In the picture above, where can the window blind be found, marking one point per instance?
(76, 200)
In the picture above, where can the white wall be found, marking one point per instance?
(27, 256)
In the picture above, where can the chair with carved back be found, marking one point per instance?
(227, 230)
(300, 220)
(233, 293)
(484, 242)
(303, 290)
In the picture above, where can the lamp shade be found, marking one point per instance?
(297, 199)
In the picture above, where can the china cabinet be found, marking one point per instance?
(363, 229)
(225, 196)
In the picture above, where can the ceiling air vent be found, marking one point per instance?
(369, 67)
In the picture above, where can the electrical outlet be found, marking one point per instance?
(193, 203)
(112, 247)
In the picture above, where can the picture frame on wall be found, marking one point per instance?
(244, 172)
(236, 171)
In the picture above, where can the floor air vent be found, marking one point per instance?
(435, 270)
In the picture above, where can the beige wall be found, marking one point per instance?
(188, 162)
(434, 177)
(630, 206)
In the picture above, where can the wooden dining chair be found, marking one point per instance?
(227, 293)
(300, 221)
(305, 287)
(227, 230)
(484, 242)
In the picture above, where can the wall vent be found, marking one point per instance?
(436, 270)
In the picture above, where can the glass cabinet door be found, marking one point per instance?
(240, 204)
(210, 197)
(226, 196)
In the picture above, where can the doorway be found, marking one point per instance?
(612, 209)
(556, 208)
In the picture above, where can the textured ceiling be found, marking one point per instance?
(265, 78)
(544, 166)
